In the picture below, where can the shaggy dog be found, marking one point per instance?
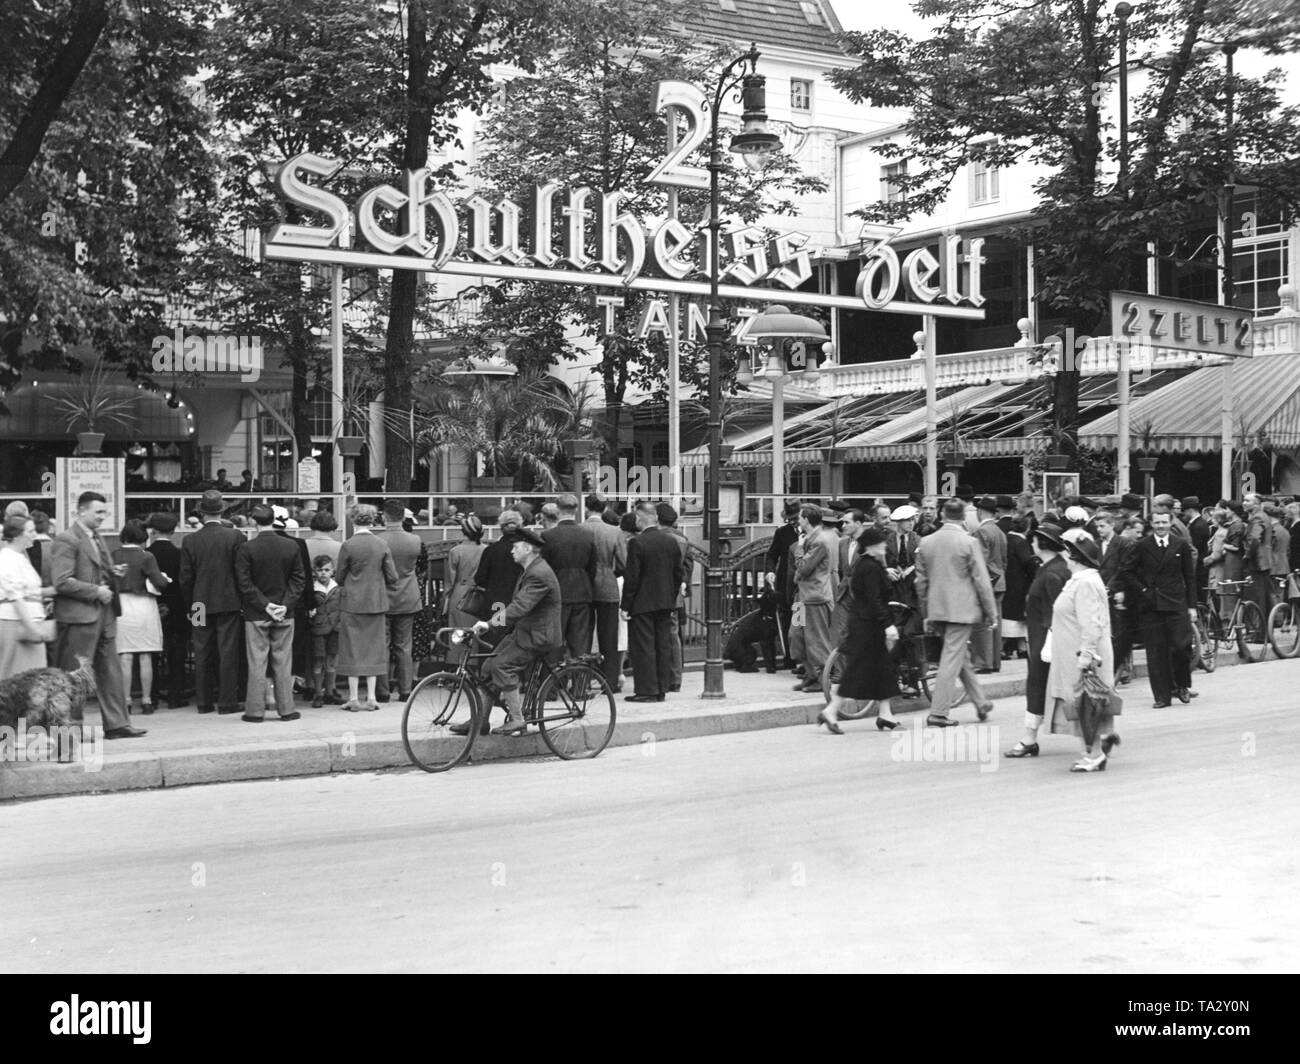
(46, 697)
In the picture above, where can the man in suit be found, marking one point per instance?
(986, 644)
(855, 521)
(1292, 518)
(1049, 579)
(409, 558)
(778, 570)
(1006, 512)
(172, 604)
(1167, 504)
(86, 608)
(1115, 550)
(955, 593)
(651, 584)
(1162, 573)
(667, 518)
(571, 554)
(208, 579)
(816, 575)
(271, 579)
(927, 522)
(1259, 553)
(611, 558)
(1199, 532)
(533, 623)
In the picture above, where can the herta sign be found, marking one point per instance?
(584, 236)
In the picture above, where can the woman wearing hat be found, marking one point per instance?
(1044, 588)
(365, 574)
(1081, 640)
(462, 567)
(868, 673)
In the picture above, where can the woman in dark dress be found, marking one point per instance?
(868, 673)
(1022, 564)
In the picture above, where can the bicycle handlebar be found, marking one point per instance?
(447, 638)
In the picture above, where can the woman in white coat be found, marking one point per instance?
(1080, 638)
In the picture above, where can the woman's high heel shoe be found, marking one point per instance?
(886, 724)
(834, 728)
(147, 708)
(1022, 749)
(1090, 764)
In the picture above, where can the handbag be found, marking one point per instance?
(424, 627)
(1046, 653)
(475, 603)
(1095, 700)
(42, 631)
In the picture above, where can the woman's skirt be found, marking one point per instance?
(867, 672)
(139, 630)
(15, 655)
(363, 644)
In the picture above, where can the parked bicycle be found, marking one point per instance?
(571, 704)
(1284, 620)
(1245, 627)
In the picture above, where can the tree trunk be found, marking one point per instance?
(300, 408)
(88, 19)
(400, 342)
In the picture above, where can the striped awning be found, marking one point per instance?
(1185, 416)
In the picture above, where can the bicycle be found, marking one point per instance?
(916, 671)
(1246, 625)
(446, 703)
(1284, 622)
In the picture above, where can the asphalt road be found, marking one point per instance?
(786, 849)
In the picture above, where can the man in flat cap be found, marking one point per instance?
(651, 585)
(533, 620)
(816, 577)
(778, 572)
(571, 553)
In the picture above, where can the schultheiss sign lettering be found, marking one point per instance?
(584, 236)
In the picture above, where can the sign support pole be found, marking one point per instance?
(931, 408)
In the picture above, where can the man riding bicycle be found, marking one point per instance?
(533, 619)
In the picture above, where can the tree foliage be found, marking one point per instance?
(1035, 82)
(585, 118)
(109, 174)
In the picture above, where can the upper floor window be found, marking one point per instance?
(983, 182)
(727, 5)
(800, 94)
(891, 190)
(811, 12)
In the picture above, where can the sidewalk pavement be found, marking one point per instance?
(184, 748)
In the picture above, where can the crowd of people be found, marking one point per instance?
(978, 580)
(971, 580)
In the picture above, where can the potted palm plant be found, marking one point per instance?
(91, 402)
(953, 455)
(1146, 434)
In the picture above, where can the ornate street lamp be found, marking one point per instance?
(754, 143)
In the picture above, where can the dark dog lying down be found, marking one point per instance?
(46, 697)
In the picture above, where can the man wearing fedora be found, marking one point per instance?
(778, 570)
(1199, 532)
(955, 594)
(208, 577)
(532, 621)
(1161, 571)
(816, 574)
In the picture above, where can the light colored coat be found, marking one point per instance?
(818, 567)
(1080, 621)
(952, 581)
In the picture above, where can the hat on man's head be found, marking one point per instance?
(832, 516)
(904, 513)
(965, 492)
(666, 514)
(1163, 500)
(1076, 515)
(1131, 502)
(279, 517)
(986, 502)
(915, 498)
(212, 503)
(871, 535)
(791, 508)
(1050, 534)
(1005, 502)
(838, 505)
(1238, 509)
(1191, 502)
(529, 535)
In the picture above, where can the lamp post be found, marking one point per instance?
(781, 327)
(1226, 486)
(753, 142)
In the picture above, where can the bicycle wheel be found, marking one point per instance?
(850, 708)
(1252, 632)
(580, 720)
(437, 704)
(1284, 630)
(1208, 623)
